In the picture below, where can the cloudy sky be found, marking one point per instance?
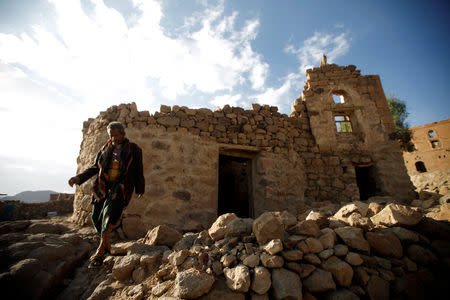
(63, 61)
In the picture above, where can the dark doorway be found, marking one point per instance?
(420, 167)
(366, 178)
(235, 186)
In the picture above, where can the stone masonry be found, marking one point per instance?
(294, 160)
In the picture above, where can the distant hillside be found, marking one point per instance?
(30, 196)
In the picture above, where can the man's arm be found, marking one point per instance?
(88, 173)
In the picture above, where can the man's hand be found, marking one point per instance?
(139, 195)
(74, 180)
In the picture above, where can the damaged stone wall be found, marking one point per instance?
(371, 141)
(295, 160)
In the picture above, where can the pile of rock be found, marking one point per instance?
(365, 250)
(435, 182)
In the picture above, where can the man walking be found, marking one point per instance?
(120, 171)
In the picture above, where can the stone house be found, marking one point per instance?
(432, 143)
(336, 145)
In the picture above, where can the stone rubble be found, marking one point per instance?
(404, 256)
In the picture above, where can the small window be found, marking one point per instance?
(338, 98)
(420, 167)
(431, 134)
(343, 123)
(435, 144)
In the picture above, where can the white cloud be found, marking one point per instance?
(222, 100)
(279, 96)
(310, 53)
(55, 78)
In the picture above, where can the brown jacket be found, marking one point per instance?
(131, 168)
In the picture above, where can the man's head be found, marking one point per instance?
(116, 132)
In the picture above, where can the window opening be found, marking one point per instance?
(420, 167)
(235, 186)
(367, 181)
(435, 144)
(343, 123)
(338, 98)
(431, 134)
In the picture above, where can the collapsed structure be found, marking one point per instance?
(338, 144)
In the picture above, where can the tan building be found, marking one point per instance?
(432, 143)
(334, 146)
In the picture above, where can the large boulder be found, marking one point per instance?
(268, 227)
(238, 278)
(396, 214)
(163, 235)
(218, 229)
(286, 285)
(353, 237)
(192, 283)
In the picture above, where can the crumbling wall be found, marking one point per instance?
(181, 148)
(371, 141)
(296, 160)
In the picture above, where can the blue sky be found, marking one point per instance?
(63, 61)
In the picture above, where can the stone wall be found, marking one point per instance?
(371, 142)
(295, 160)
(432, 143)
(17, 210)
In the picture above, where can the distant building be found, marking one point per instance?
(432, 143)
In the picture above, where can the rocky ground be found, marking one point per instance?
(435, 182)
(374, 249)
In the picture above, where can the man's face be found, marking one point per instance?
(116, 136)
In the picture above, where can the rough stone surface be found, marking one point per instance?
(396, 214)
(124, 265)
(342, 271)
(319, 281)
(238, 278)
(191, 284)
(261, 281)
(218, 229)
(377, 288)
(354, 238)
(273, 247)
(268, 227)
(163, 235)
(286, 285)
(385, 243)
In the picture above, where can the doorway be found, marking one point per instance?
(235, 186)
(366, 178)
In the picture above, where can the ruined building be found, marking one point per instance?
(432, 144)
(336, 145)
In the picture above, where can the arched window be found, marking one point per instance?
(431, 134)
(420, 167)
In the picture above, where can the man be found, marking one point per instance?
(120, 171)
